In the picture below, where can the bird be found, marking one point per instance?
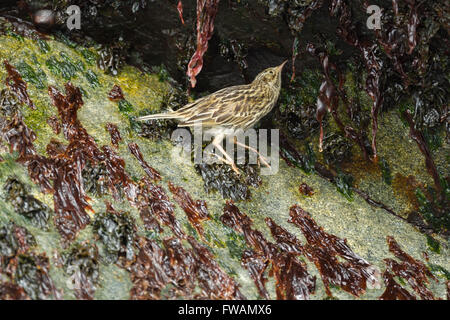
(237, 107)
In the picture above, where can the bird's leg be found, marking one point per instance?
(263, 160)
(217, 142)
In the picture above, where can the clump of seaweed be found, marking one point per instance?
(291, 275)
(11, 291)
(25, 269)
(81, 264)
(393, 290)
(17, 85)
(14, 240)
(117, 232)
(206, 14)
(306, 190)
(222, 178)
(154, 205)
(323, 249)
(114, 133)
(9, 105)
(64, 66)
(177, 271)
(410, 269)
(95, 179)
(136, 152)
(26, 204)
(196, 211)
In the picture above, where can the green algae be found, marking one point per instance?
(386, 171)
(344, 183)
(125, 107)
(92, 78)
(37, 78)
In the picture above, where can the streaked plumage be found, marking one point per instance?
(231, 108)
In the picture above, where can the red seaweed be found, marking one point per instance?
(393, 290)
(17, 85)
(115, 134)
(180, 11)
(196, 211)
(323, 249)
(11, 291)
(54, 123)
(115, 166)
(136, 152)
(306, 190)
(116, 93)
(152, 201)
(155, 268)
(206, 14)
(256, 264)
(215, 283)
(410, 269)
(293, 280)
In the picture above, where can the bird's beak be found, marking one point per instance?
(280, 67)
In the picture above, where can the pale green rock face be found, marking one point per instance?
(364, 226)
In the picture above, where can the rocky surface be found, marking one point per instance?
(366, 227)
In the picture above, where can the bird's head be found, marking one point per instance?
(270, 76)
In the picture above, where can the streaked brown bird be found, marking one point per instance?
(227, 110)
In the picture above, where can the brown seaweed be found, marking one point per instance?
(214, 282)
(256, 264)
(306, 190)
(11, 291)
(181, 270)
(54, 123)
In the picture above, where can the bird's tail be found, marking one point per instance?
(169, 115)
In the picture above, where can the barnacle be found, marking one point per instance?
(110, 60)
(336, 149)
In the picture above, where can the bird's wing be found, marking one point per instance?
(229, 107)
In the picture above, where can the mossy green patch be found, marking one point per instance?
(37, 78)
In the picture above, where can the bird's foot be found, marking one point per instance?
(226, 161)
